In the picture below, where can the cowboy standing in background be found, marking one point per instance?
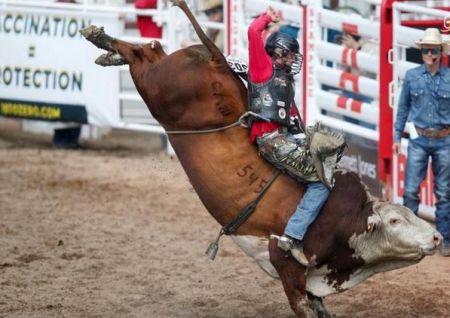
(425, 101)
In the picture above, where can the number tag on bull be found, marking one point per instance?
(237, 65)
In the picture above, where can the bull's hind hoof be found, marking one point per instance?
(98, 37)
(110, 59)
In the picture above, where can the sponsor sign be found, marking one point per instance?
(43, 111)
(361, 157)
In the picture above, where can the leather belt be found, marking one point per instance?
(433, 133)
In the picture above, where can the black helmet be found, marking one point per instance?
(281, 41)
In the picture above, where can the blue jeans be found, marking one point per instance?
(309, 207)
(419, 151)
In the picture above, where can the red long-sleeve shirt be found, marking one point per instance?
(260, 69)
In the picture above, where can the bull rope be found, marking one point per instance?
(240, 122)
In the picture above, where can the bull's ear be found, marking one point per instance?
(377, 205)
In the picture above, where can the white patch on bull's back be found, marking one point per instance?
(258, 249)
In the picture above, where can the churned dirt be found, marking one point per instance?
(116, 230)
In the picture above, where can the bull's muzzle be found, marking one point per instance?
(437, 240)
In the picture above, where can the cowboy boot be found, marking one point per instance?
(294, 246)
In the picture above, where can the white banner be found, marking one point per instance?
(47, 69)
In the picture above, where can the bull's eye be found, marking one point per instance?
(394, 221)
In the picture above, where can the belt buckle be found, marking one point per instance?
(431, 132)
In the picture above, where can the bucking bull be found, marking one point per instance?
(194, 92)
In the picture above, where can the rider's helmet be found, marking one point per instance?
(285, 49)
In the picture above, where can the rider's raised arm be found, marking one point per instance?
(260, 63)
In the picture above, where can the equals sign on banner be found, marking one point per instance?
(31, 51)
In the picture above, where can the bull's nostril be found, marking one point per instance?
(437, 239)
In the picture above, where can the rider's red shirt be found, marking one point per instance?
(260, 69)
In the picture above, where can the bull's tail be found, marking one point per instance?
(217, 55)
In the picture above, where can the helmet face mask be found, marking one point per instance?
(296, 65)
(291, 62)
(285, 51)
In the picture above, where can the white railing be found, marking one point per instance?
(357, 59)
(347, 81)
(343, 22)
(329, 77)
(350, 107)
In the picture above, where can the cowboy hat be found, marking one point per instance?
(432, 36)
(210, 4)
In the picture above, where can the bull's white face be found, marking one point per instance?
(394, 233)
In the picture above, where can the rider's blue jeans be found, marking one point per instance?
(419, 151)
(308, 209)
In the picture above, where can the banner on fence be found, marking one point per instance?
(47, 69)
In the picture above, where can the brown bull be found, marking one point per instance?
(354, 237)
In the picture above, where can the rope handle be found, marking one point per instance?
(240, 122)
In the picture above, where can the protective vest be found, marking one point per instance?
(272, 100)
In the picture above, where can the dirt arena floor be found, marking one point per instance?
(116, 230)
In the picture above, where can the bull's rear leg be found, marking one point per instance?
(121, 52)
(293, 277)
